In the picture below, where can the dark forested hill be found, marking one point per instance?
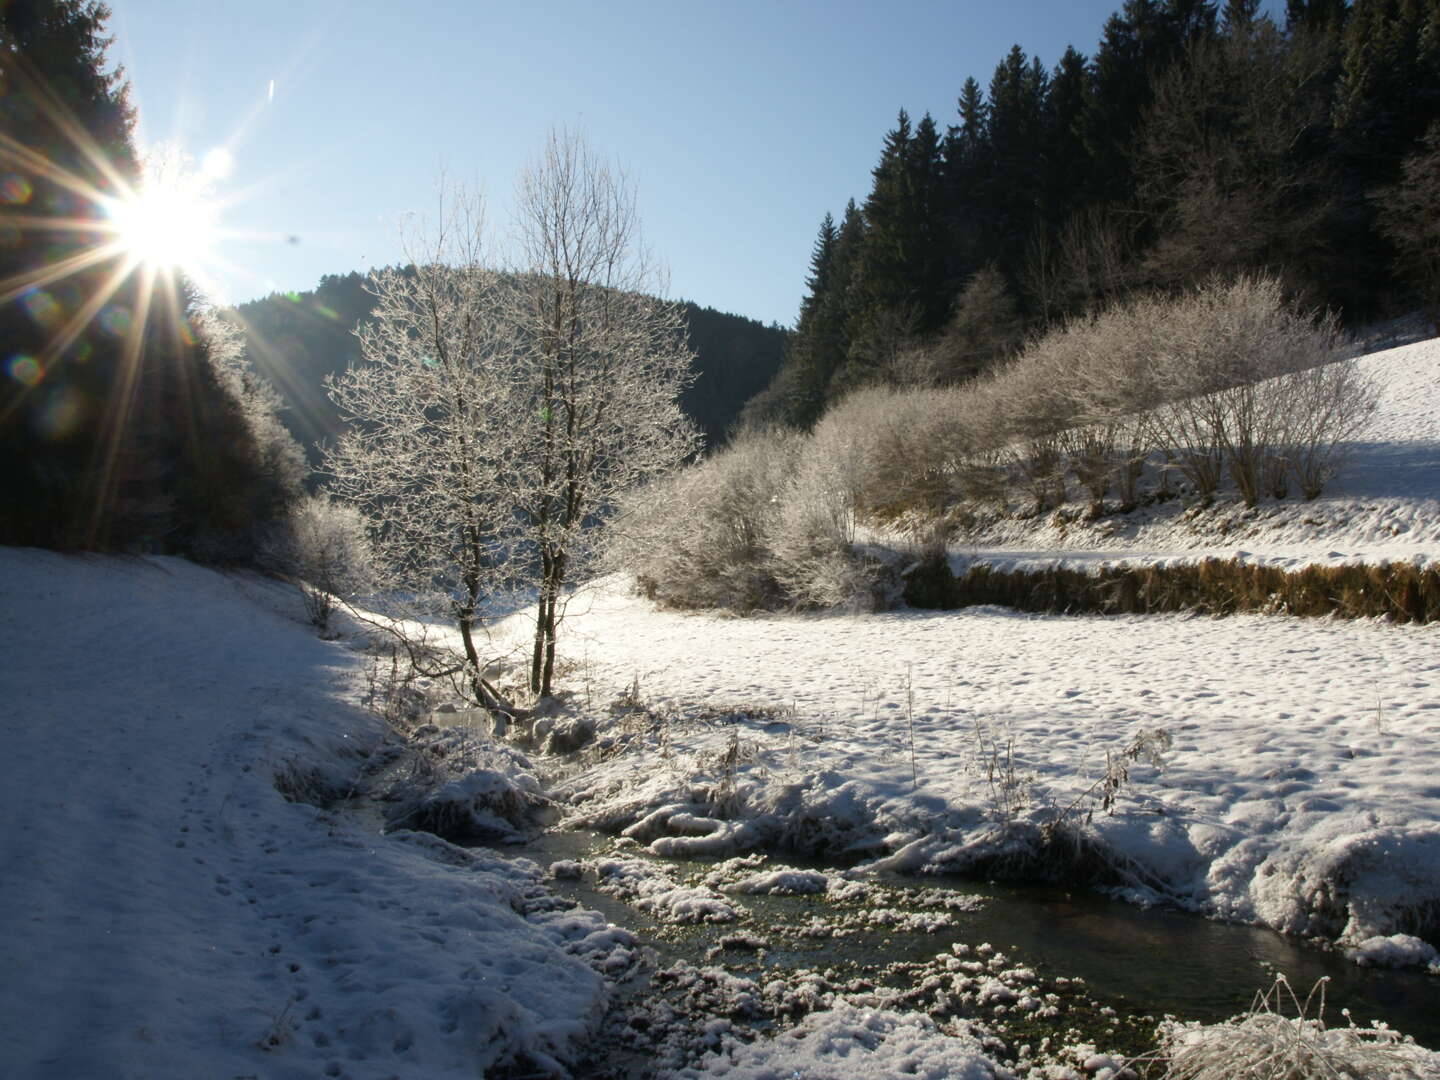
(296, 339)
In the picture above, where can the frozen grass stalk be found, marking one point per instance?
(1266, 1045)
(910, 719)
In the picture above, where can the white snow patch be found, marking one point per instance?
(780, 883)
(848, 1042)
(1395, 951)
(650, 888)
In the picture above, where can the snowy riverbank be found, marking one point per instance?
(1279, 769)
(169, 913)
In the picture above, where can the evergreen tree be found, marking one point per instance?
(830, 351)
(116, 429)
(1239, 15)
(1410, 220)
(815, 350)
(965, 173)
(1388, 95)
(1217, 163)
(1187, 23)
(1390, 83)
(1066, 162)
(1322, 15)
(1119, 93)
(891, 222)
(1139, 44)
(985, 328)
(900, 287)
(821, 260)
(64, 144)
(1015, 131)
(930, 250)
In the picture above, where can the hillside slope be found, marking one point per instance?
(1383, 504)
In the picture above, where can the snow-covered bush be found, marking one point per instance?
(700, 538)
(463, 786)
(324, 547)
(1324, 408)
(812, 541)
(768, 521)
(909, 451)
(1093, 377)
(1236, 388)
(1266, 1045)
(1228, 377)
(1033, 413)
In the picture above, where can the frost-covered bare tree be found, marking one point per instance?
(496, 418)
(429, 455)
(1325, 408)
(601, 362)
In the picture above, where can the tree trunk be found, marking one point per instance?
(485, 694)
(542, 659)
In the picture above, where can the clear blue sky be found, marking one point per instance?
(740, 122)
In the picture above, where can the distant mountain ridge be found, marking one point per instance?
(296, 339)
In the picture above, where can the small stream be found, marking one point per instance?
(1142, 963)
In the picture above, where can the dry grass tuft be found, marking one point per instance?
(1267, 1045)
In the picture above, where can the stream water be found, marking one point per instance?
(1142, 963)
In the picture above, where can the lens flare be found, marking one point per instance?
(15, 190)
(42, 308)
(115, 320)
(61, 415)
(25, 370)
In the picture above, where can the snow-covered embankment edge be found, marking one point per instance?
(169, 904)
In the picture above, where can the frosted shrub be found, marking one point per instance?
(812, 542)
(1325, 407)
(873, 434)
(909, 451)
(324, 547)
(977, 436)
(769, 520)
(1032, 416)
(1229, 371)
(1226, 377)
(701, 538)
(1266, 1045)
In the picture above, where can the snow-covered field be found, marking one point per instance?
(169, 913)
(1285, 774)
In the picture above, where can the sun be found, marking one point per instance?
(169, 221)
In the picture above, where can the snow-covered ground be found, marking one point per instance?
(1285, 774)
(169, 913)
